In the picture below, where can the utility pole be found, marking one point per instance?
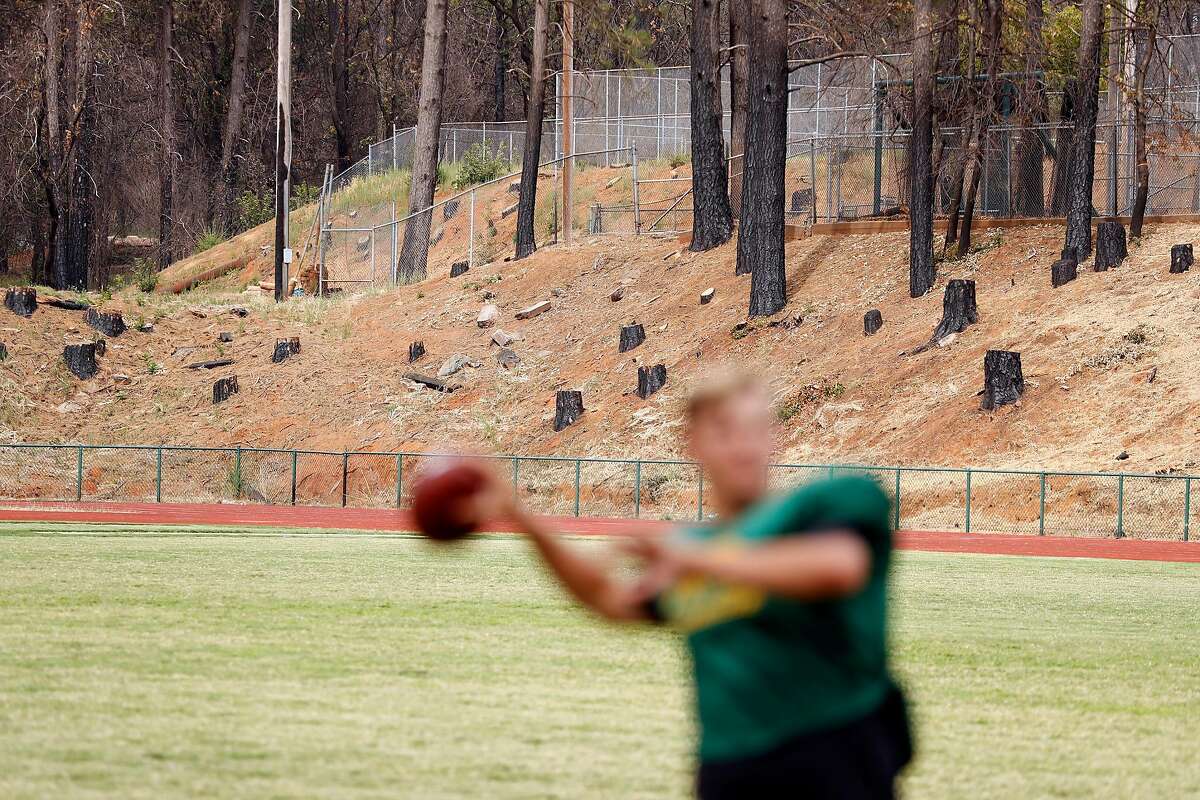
(568, 114)
(283, 147)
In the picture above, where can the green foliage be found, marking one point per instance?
(479, 166)
(253, 209)
(677, 160)
(1062, 43)
(209, 239)
(144, 275)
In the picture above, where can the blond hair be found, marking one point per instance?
(718, 390)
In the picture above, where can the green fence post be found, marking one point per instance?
(896, 510)
(968, 508)
(700, 497)
(237, 471)
(1187, 507)
(637, 491)
(345, 476)
(295, 458)
(1120, 506)
(1042, 508)
(577, 487)
(79, 474)
(399, 480)
(158, 475)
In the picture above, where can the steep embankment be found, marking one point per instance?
(1109, 359)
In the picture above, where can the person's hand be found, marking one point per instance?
(664, 560)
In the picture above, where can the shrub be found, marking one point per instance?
(144, 274)
(479, 165)
(680, 160)
(209, 239)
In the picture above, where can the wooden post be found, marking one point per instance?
(568, 114)
(283, 144)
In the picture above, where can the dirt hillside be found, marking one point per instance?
(1109, 359)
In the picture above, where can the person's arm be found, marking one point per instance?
(818, 566)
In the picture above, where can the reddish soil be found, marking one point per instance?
(230, 515)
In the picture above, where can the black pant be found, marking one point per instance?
(859, 761)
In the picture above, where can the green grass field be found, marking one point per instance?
(136, 665)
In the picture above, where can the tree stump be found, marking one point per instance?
(707, 296)
(81, 360)
(1111, 247)
(872, 322)
(1063, 271)
(958, 308)
(225, 336)
(285, 349)
(1182, 258)
(1068, 253)
(21, 300)
(631, 337)
(458, 268)
(568, 407)
(1003, 381)
(3, 352)
(651, 379)
(416, 351)
(224, 389)
(110, 324)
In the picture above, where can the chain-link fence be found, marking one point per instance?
(1121, 505)
(365, 242)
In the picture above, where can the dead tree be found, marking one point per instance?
(712, 218)
(1141, 64)
(1079, 197)
(958, 309)
(224, 389)
(81, 360)
(108, 323)
(1003, 381)
(526, 203)
(739, 100)
(1028, 178)
(872, 322)
(166, 167)
(651, 379)
(414, 252)
(568, 407)
(631, 337)
(1063, 271)
(1111, 248)
(760, 241)
(285, 349)
(21, 300)
(1182, 258)
(921, 270)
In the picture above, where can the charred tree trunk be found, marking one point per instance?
(1079, 199)
(739, 100)
(1111, 248)
(21, 300)
(1182, 258)
(285, 349)
(416, 351)
(37, 245)
(958, 309)
(81, 360)
(337, 14)
(110, 324)
(1064, 151)
(992, 24)
(872, 322)
(82, 218)
(527, 201)
(712, 218)
(1003, 381)
(922, 273)
(1141, 159)
(651, 379)
(1063, 271)
(500, 77)
(224, 389)
(760, 243)
(568, 407)
(166, 109)
(227, 207)
(414, 253)
(1029, 186)
(631, 337)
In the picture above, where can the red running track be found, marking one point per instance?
(363, 519)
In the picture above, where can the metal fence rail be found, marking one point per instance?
(923, 498)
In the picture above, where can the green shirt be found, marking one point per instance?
(770, 668)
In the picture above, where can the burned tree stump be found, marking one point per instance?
(707, 296)
(1069, 253)
(872, 322)
(1003, 381)
(1063, 271)
(416, 351)
(958, 308)
(81, 360)
(3, 352)
(1182, 258)
(568, 407)
(285, 349)
(631, 337)
(459, 268)
(651, 379)
(21, 300)
(1111, 248)
(224, 389)
(110, 324)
